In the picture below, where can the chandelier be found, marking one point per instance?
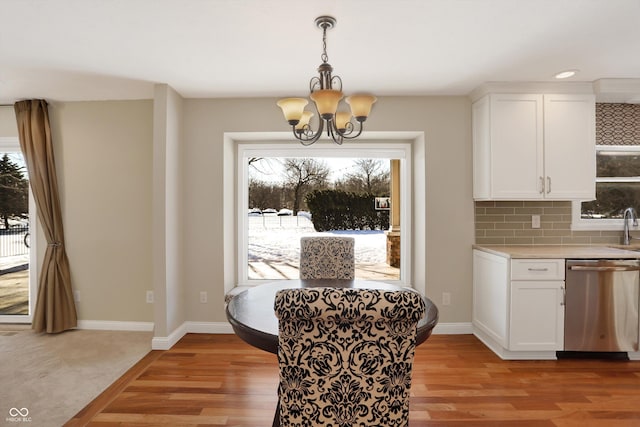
(326, 93)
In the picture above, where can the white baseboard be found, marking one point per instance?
(209, 328)
(114, 325)
(505, 354)
(165, 343)
(453, 329)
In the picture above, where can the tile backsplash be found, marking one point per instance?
(509, 223)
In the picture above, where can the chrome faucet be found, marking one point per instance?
(629, 214)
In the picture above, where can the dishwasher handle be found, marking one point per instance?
(604, 268)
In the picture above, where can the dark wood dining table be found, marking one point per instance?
(253, 319)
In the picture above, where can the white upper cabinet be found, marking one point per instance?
(570, 146)
(534, 147)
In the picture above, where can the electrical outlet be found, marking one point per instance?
(149, 297)
(203, 297)
(535, 221)
(446, 298)
(76, 296)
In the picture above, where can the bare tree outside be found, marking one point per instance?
(264, 195)
(265, 166)
(301, 174)
(276, 182)
(370, 176)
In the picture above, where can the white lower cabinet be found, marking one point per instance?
(518, 305)
(537, 316)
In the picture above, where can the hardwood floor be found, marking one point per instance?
(218, 380)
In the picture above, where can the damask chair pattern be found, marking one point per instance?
(327, 257)
(346, 356)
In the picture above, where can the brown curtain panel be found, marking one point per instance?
(55, 308)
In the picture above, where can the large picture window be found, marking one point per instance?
(290, 198)
(273, 219)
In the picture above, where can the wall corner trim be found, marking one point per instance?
(165, 343)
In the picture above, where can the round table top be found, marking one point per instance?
(253, 319)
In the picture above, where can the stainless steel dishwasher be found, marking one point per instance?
(601, 305)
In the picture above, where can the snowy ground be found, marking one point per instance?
(274, 241)
(278, 238)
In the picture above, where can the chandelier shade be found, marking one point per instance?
(326, 101)
(360, 106)
(342, 118)
(326, 94)
(304, 120)
(292, 108)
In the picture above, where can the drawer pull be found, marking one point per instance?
(538, 269)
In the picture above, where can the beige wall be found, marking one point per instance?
(205, 122)
(103, 157)
(446, 123)
(8, 126)
(105, 153)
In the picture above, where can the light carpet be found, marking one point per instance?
(52, 377)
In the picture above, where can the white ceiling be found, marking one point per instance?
(118, 49)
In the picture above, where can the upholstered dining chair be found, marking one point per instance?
(345, 356)
(327, 257)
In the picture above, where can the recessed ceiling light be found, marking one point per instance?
(566, 74)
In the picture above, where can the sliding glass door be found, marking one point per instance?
(17, 293)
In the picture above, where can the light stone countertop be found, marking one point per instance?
(567, 252)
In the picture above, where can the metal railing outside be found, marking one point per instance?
(14, 241)
(280, 221)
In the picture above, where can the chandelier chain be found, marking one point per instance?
(324, 56)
